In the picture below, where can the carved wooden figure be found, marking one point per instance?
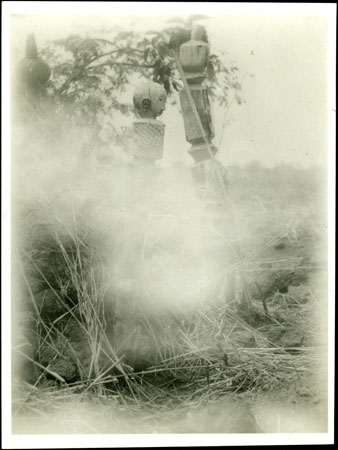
(149, 102)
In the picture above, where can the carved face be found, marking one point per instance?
(158, 101)
(149, 100)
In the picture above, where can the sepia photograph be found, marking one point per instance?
(168, 217)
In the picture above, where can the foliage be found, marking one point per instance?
(90, 73)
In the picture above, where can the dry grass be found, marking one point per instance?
(197, 356)
(85, 337)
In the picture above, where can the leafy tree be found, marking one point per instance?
(89, 73)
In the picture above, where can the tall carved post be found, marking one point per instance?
(194, 56)
(148, 132)
(208, 173)
(146, 136)
(145, 144)
(33, 72)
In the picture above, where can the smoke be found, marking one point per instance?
(262, 415)
(152, 225)
(143, 222)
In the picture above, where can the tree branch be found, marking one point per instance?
(111, 53)
(114, 63)
(74, 77)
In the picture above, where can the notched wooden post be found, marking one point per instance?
(208, 173)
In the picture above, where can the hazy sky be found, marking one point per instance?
(285, 114)
(284, 61)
